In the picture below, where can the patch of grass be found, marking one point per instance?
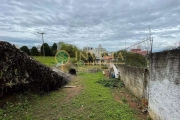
(148, 118)
(93, 102)
(45, 60)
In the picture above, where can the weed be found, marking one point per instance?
(91, 115)
(148, 118)
(54, 105)
(124, 99)
(113, 82)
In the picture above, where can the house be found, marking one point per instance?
(99, 51)
(87, 49)
(139, 51)
(107, 59)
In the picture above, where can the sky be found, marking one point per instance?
(115, 24)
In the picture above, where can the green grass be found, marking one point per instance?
(45, 60)
(94, 101)
(98, 101)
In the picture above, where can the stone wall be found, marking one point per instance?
(164, 86)
(19, 72)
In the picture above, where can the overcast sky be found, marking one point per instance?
(90, 22)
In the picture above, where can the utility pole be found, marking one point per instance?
(125, 43)
(42, 41)
(151, 40)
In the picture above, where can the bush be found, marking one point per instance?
(111, 83)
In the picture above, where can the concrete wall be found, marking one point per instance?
(160, 84)
(135, 79)
(164, 86)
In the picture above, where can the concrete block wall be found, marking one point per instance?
(164, 86)
(135, 80)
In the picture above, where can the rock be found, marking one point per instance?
(144, 110)
(72, 71)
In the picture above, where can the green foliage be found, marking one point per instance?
(113, 82)
(54, 49)
(148, 118)
(124, 99)
(71, 49)
(104, 54)
(34, 51)
(91, 57)
(75, 52)
(25, 49)
(132, 59)
(104, 67)
(45, 60)
(47, 50)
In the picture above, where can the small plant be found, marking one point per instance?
(54, 105)
(113, 82)
(148, 118)
(91, 115)
(124, 99)
(1, 113)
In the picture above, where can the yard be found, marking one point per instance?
(88, 100)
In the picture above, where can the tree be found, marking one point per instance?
(34, 51)
(71, 49)
(132, 59)
(91, 57)
(104, 54)
(47, 50)
(54, 49)
(25, 49)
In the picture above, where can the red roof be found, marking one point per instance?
(107, 57)
(135, 50)
(139, 51)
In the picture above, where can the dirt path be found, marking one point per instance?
(73, 91)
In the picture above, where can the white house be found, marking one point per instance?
(98, 52)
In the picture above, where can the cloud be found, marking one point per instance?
(90, 22)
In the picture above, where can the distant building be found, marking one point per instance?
(98, 52)
(88, 49)
(107, 59)
(139, 51)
